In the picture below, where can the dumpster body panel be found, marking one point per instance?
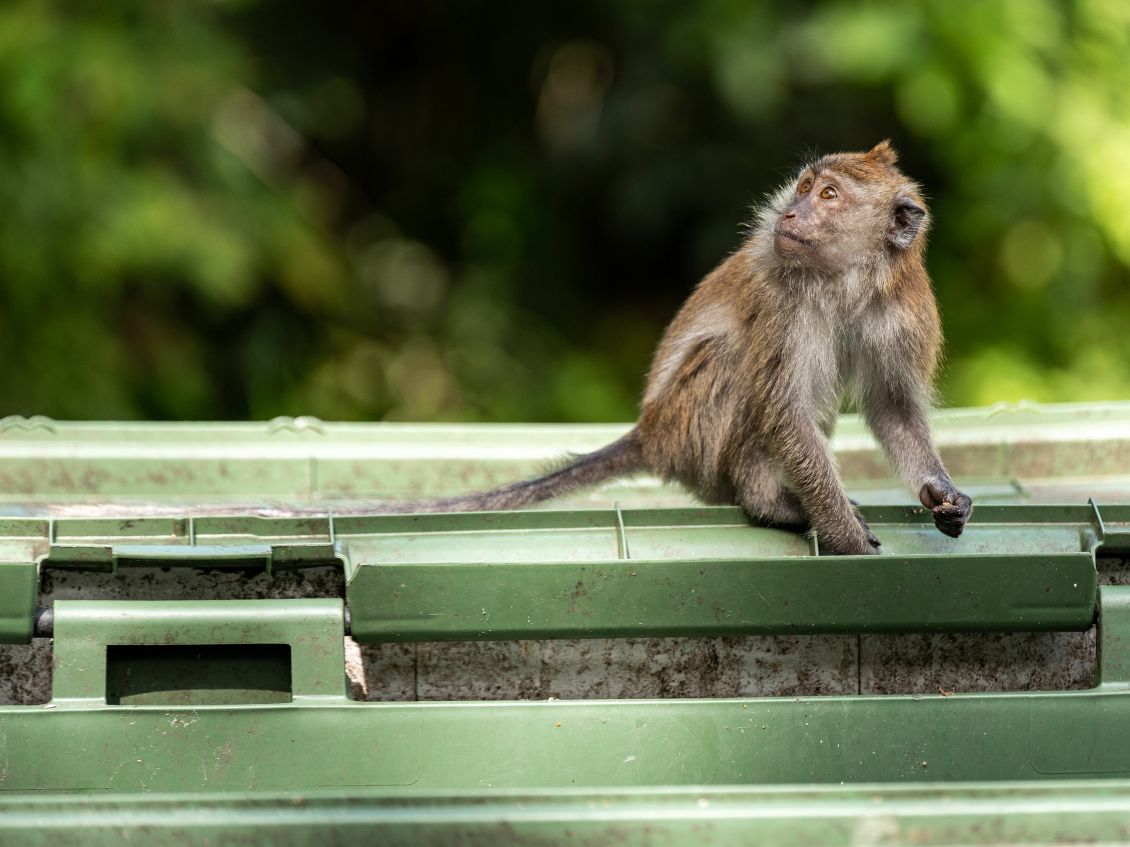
(230, 721)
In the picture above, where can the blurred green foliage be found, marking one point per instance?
(488, 211)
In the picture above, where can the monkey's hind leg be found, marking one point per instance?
(763, 497)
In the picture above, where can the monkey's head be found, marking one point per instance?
(846, 209)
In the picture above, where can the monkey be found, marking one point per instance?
(828, 297)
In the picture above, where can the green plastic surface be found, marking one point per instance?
(1050, 813)
(311, 628)
(1081, 812)
(322, 740)
(620, 572)
(163, 730)
(708, 572)
(999, 454)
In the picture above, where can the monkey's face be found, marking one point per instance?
(845, 209)
(817, 225)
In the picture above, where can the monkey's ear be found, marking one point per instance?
(883, 153)
(906, 219)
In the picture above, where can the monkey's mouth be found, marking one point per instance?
(782, 234)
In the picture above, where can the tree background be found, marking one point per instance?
(489, 210)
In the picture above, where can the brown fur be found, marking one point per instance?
(828, 296)
(746, 414)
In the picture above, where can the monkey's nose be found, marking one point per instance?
(789, 215)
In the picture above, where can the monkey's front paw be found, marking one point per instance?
(849, 547)
(871, 537)
(862, 543)
(950, 507)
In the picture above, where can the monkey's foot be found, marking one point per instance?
(783, 512)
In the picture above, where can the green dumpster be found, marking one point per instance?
(231, 721)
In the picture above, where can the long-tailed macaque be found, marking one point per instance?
(827, 297)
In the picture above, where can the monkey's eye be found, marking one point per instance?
(805, 186)
(829, 193)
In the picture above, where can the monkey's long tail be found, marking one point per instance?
(620, 458)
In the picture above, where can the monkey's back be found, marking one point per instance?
(709, 378)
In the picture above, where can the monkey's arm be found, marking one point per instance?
(806, 460)
(896, 412)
